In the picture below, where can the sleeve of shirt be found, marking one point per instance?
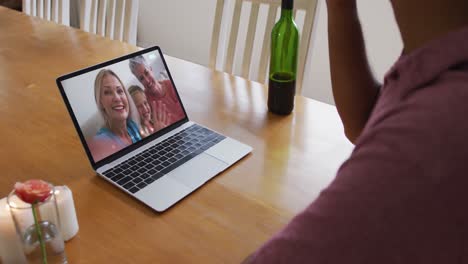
(386, 204)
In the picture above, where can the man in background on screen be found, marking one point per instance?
(402, 195)
(158, 92)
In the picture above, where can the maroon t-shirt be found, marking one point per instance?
(402, 197)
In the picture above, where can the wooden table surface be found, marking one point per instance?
(294, 157)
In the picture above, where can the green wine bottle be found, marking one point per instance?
(283, 62)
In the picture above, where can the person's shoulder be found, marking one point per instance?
(168, 84)
(102, 138)
(446, 92)
(170, 90)
(102, 132)
(412, 102)
(455, 77)
(414, 124)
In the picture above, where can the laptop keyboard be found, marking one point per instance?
(137, 172)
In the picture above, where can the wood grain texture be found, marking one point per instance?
(294, 157)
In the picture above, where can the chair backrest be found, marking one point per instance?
(115, 19)
(52, 10)
(305, 6)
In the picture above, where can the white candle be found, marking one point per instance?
(11, 250)
(66, 210)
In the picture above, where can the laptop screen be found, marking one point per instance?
(120, 103)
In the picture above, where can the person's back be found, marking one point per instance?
(401, 196)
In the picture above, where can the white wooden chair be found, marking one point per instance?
(52, 10)
(115, 19)
(307, 6)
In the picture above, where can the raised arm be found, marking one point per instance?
(354, 88)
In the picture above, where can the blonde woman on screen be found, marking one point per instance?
(112, 100)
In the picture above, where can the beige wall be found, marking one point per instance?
(182, 28)
(383, 45)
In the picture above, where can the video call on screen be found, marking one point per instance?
(122, 103)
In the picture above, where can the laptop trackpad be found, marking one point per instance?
(198, 170)
(163, 193)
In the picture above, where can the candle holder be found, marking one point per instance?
(11, 250)
(38, 227)
(66, 210)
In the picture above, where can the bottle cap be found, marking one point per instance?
(287, 4)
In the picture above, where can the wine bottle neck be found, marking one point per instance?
(286, 9)
(286, 13)
(287, 4)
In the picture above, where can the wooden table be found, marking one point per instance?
(294, 157)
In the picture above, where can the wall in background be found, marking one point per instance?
(183, 29)
(383, 45)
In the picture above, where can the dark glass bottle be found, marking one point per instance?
(283, 62)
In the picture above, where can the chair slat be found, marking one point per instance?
(249, 42)
(55, 11)
(101, 18)
(304, 4)
(304, 44)
(308, 6)
(116, 19)
(93, 16)
(40, 9)
(298, 4)
(59, 13)
(266, 43)
(110, 19)
(216, 33)
(65, 12)
(130, 21)
(268, 2)
(233, 37)
(33, 8)
(26, 7)
(85, 14)
(119, 16)
(47, 9)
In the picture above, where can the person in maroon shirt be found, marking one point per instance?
(160, 94)
(402, 195)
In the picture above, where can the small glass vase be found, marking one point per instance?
(52, 250)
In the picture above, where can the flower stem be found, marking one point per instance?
(39, 234)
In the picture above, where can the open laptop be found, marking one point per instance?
(159, 161)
